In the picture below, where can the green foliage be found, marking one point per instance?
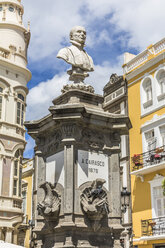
(163, 186)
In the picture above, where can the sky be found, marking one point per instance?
(113, 28)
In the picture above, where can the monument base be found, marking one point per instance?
(78, 180)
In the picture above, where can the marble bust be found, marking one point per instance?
(75, 54)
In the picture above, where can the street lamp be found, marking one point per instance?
(125, 199)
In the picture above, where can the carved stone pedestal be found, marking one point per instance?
(77, 174)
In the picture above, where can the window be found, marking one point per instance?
(157, 197)
(11, 8)
(16, 168)
(147, 93)
(150, 140)
(161, 81)
(162, 133)
(159, 200)
(15, 187)
(0, 7)
(17, 172)
(1, 91)
(148, 89)
(24, 202)
(20, 109)
(20, 96)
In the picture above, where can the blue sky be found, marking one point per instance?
(113, 28)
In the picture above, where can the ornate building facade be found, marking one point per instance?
(116, 101)
(145, 74)
(14, 76)
(27, 198)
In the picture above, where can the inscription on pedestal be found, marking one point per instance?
(92, 165)
(55, 168)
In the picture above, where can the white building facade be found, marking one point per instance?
(14, 76)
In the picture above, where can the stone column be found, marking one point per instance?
(40, 177)
(115, 186)
(15, 237)
(69, 182)
(0, 233)
(115, 199)
(8, 237)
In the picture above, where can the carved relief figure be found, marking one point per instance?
(92, 138)
(94, 202)
(50, 206)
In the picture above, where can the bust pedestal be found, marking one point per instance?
(79, 147)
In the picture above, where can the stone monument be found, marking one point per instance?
(76, 56)
(77, 187)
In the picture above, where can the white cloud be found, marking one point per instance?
(52, 20)
(142, 20)
(40, 97)
(100, 77)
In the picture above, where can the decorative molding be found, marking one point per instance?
(68, 130)
(49, 144)
(141, 178)
(92, 138)
(156, 118)
(157, 177)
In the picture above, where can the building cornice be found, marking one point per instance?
(13, 25)
(154, 61)
(15, 2)
(6, 63)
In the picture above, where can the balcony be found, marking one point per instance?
(148, 162)
(153, 227)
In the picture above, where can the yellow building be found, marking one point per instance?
(145, 74)
(27, 197)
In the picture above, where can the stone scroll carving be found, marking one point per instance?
(94, 202)
(50, 206)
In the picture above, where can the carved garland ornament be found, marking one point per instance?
(94, 202)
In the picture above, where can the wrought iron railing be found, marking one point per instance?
(153, 227)
(155, 156)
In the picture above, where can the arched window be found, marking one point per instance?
(17, 173)
(148, 93)
(1, 91)
(162, 133)
(161, 81)
(20, 109)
